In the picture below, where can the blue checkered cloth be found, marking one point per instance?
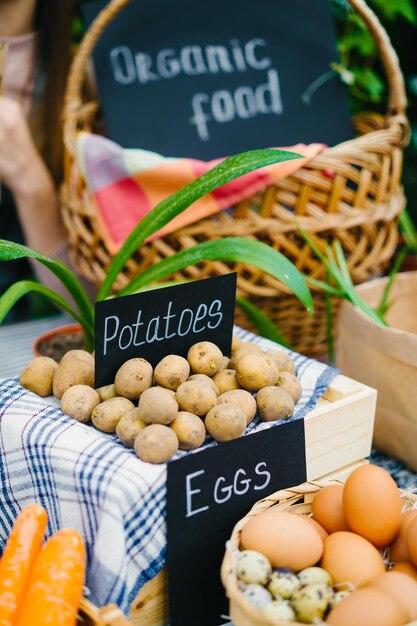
(88, 480)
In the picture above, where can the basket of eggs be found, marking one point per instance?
(326, 553)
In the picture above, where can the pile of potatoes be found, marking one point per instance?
(173, 406)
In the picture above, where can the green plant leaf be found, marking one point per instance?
(369, 82)
(23, 287)
(233, 250)
(391, 9)
(10, 251)
(165, 211)
(332, 291)
(384, 305)
(408, 230)
(328, 309)
(262, 323)
(341, 277)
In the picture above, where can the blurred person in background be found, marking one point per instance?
(35, 51)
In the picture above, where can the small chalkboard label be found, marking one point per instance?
(207, 493)
(163, 321)
(205, 80)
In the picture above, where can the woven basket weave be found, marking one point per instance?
(297, 500)
(351, 191)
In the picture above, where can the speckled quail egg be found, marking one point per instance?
(315, 576)
(279, 610)
(257, 595)
(283, 583)
(253, 567)
(310, 602)
(339, 596)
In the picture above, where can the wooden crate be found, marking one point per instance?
(338, 434)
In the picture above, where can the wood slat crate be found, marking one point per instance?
(338, 435)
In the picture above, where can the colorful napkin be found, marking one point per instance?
(127, 184)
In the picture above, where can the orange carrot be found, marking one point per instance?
(56, 584)
(19, 556)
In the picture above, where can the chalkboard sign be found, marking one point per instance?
(204, 80)
(208, 492)
(163, 321)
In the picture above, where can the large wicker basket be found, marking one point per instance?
(297, 500)
(351, 191)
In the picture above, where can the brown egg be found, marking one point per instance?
(321, 531)
(328, 510)
(287, 540)
(367, 607)
(372, 505)
(406, 568)
(398, 552)
(350, 558)
(411, 541)
(400, 587)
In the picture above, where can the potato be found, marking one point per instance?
(225, 364)
(75, 368)
(289, 383)
(205, 358)
(170, 391)
(106, 415)
(225, 422)
(38, 375)
(236, 343)
(79, 401)
(132, 378)
(244, 348)
(172, 371)
(205, 379)
(78, 355)
(107, 392)
(255, 371)
(156, 444)
(157, 406)
(129, 427)
(226, 380)
(196, 396)
(189, 429)
(274, 404)
(283, 360)
(242, 399)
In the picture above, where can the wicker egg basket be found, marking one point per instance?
(297, 500)
(351, 192)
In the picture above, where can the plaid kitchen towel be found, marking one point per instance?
(127, 184)
(87, 480)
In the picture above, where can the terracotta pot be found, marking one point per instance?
(54, 333)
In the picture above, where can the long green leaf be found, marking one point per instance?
(384, 305)
(329, 323)
(233, 250)
(262, 323)
(10, 251)
(333, 291)
(23, 287)
(165, 211)
(342, 263)
(408, 230)
(341, 277)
